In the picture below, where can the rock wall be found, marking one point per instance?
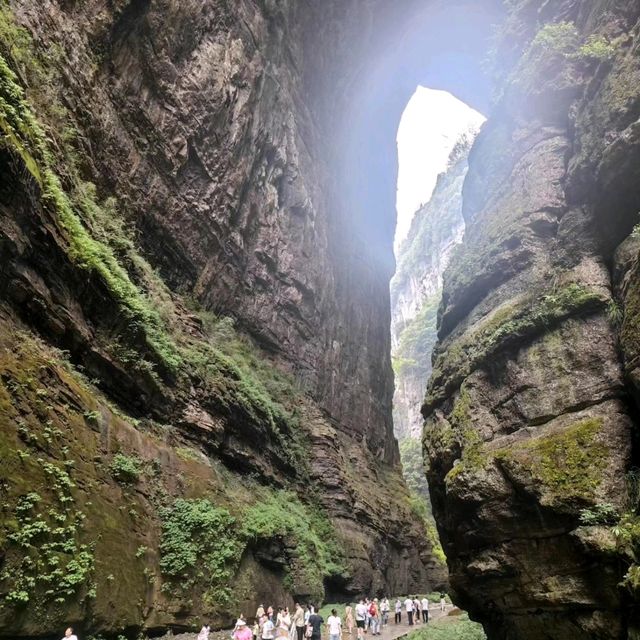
(194, 334)
(531, 410)
(416, 287)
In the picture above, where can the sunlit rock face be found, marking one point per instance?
(416, 287)
(188, 162)
(530, 412)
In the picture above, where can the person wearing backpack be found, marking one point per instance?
(374, 612)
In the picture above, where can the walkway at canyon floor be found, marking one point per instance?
(390, 632)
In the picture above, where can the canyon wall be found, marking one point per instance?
(196, 381)
(531, 411)
(437, 227)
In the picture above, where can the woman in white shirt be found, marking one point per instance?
(334, 625)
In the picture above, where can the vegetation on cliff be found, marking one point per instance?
(509, 324)
(149, 338)
(50, 555)
(187, 539)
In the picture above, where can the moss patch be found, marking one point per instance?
(568, 464)
(508, 326)
(307, 535)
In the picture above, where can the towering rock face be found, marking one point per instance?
(531, 409)
(416, 288)
(163, 162)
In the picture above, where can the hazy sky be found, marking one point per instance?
(429, 127)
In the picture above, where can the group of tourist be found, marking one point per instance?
(417, 609)
(270, 624)
(370, 615)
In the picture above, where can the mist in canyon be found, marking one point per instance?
(220, 387)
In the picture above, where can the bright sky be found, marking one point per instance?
(430, 125)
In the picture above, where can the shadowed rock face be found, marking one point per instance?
(212, 130)
(204, 127)
(530, 411)
(182, 166)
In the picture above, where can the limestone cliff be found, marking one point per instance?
(416, 288)
(436, 228)
(195, 372)
(531, 411)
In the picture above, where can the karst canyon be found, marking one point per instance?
(219, 385)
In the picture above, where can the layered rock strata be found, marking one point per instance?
(531, 409)
(193, 333)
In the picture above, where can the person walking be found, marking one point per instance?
(348, 619)
(384, 610)
(267, 628)
(334, 625)
(204, 632)
(69, 635)
(398, 607)
(260, 611)
(374, 612)
(367, 614)
(315, 623)
(408, 605)
(242, 631)
(425, 609)
(361, 615)
(443, 602)
(284, 623)
(298, 621)
(417, 610)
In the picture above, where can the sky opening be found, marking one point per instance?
(430, 125)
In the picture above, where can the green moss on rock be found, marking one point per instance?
(306, 533)
(509, 325)
(567, 464)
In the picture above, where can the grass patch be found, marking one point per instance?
(449, 628)
(325, 612)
